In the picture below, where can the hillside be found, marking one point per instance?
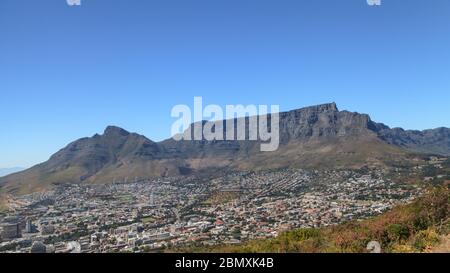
(422, 226)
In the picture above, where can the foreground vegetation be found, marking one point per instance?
(416, 227)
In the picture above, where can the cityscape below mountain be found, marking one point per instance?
(121, 192)
(316, 137)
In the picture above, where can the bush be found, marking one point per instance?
(425, 239)
(397, 248)
(301, 234)
(397, 233)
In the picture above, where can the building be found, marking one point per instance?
(10, 231)
(38, 247)
(29, 226)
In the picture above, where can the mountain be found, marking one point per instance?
(436, 141)
(7, 171)
(313, 137)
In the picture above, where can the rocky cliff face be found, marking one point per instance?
(315, 136)
(321, 122)
(435, 141)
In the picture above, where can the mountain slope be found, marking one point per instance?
(435, 141)
(314, 137)
(415, 227)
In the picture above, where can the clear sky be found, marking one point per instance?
(68, 72)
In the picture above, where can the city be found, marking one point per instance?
(154, 215)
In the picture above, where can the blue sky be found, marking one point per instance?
(68, 72)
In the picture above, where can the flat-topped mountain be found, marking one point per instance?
(313, 137)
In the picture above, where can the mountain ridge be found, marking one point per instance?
(317, 136)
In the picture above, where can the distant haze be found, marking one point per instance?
(6, 171)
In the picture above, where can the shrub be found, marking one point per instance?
(397, 233)
(397, 248)
(425, 239)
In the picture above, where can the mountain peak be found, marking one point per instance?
(318, 136)
(328, 107)
(116, 131)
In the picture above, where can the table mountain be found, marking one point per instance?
(314, 137)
